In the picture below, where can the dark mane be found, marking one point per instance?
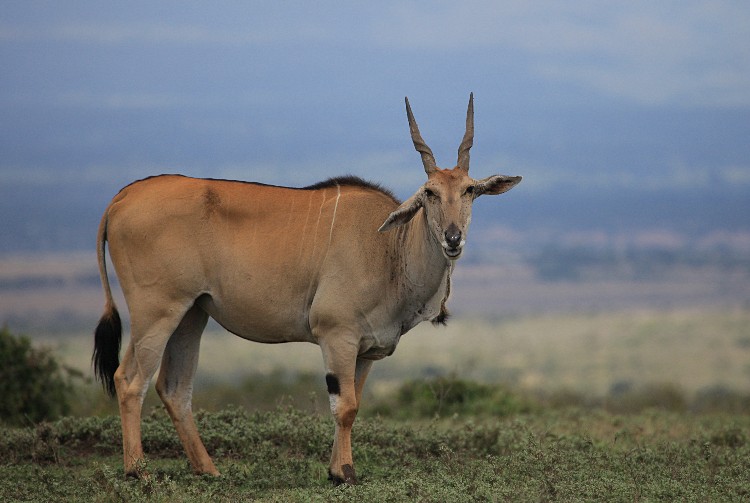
(345, 181)
(351, 181)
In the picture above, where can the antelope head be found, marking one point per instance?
(447, 196)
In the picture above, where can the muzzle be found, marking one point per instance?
(453, 242)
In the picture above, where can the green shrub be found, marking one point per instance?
(259, 392)
(447, 396)
(721, 399)
(625, 398)
(33, 385)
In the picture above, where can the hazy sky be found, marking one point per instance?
(588, 93)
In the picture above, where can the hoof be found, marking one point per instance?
(206, 469)
(138, 475)
(208, 473)
(137, 470)
(349, 476)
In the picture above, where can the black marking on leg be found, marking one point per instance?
(334, 388)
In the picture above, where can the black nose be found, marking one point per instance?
(453, 236)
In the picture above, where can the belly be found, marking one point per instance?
(260, 322)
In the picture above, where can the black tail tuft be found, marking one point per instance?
(107, 341)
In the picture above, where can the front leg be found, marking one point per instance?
(360, 375)
(345, 376)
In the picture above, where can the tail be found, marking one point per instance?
(108, 334)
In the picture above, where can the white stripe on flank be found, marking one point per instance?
(335, 207)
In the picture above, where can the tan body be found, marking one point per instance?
(222, 246)
(273, 264)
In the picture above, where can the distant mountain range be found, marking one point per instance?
(46, 217)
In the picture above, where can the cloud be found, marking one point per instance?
(125, 101)
(674, 51)
(674, 177)
(650, 52)
(161, 33)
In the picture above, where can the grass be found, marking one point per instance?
(587, 412)
(281, 455)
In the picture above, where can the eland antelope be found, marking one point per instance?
(341, 264)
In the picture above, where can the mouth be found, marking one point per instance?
(452, 253)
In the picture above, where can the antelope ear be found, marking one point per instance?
(497, 184)
(403, 213)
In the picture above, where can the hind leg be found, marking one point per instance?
(150, 331)
(175, 386)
